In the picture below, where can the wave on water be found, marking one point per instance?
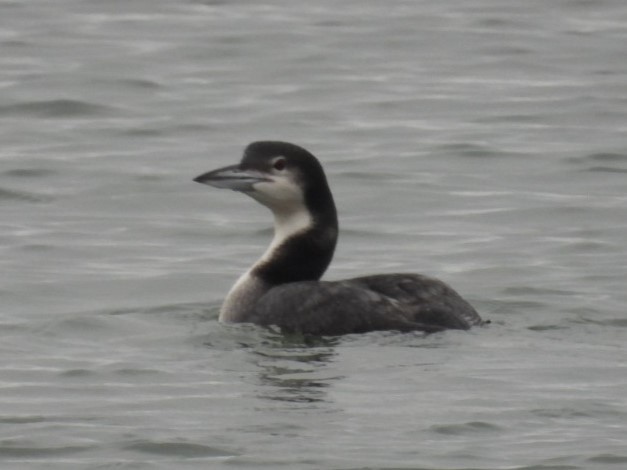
(58, 108)
(15, 195)
(29, 172)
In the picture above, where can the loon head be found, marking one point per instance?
(289, 181)
(284, 177)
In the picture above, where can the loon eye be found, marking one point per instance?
(279, 164)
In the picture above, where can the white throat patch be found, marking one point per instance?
(290, 218)
(285, 198)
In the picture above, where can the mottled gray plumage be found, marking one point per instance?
(403, 302)
(283, 289)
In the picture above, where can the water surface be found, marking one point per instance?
(481, 142)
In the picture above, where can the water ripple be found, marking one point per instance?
(29, 172)
(9, 451)
(59, 108)
(609, 458)
(465, 428)
(15, 195)
(177, 449)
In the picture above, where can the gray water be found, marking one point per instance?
(480, 141)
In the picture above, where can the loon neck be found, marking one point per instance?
(301, 250)
(302, 255)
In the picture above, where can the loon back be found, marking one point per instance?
(282, 288)
(403, 302)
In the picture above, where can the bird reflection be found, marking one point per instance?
(295, 368)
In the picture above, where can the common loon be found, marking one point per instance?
(283, 288)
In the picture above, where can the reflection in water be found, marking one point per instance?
(294, 368)
(288, 368)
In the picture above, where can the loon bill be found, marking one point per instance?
(283, 288)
